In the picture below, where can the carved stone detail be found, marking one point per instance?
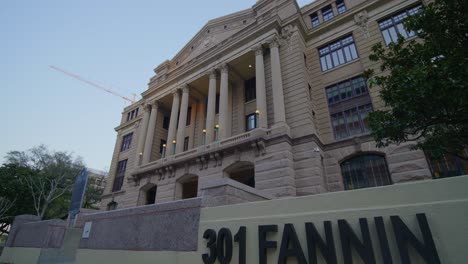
(258, 49)
(361, 20)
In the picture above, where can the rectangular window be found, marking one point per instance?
(189, 115)
(119, 176)
(186, 143)
(346, 90)
(340, 5)
(161, 146)
(338, 53)
(349, 104)
(392, 27)
(315, 20)
(327, 13)
(166, 121)
(250, 90)
(251, 122)
(126, 142)
(351, 122)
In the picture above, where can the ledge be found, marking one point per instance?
(216, 147)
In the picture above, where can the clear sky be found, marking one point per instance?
(115, 43)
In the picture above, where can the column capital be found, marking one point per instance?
(274, 42)
(212, 73)
(258, 49)
(154, 103)
(175, 92)
(184, 88)
(146, 107)
(224, 68)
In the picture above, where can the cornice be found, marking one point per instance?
(212, 55)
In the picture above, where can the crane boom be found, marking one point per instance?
(92, 84)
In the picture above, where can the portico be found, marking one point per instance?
(213, 107)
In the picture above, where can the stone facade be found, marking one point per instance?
(293, 149)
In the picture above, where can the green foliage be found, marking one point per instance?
(14, 188)
(424, 82)
(49, 177)
(94, 191)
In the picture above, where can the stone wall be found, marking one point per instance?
(29, 231)
(162, 227)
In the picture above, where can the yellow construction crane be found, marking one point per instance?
(133, 100)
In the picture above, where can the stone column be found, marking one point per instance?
(171, 133)
(260, 87)
(224, 104)
(182, 120)
(202, 121)
(150, 133)
(210, 115)
(193, 122)
(277, 84)
(320, 16)
(334, 8)
(142, 134)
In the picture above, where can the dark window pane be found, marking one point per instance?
(340, 5)
(126, 142)
(217, 105)
(338, 53)
(189, 115)
(251, 122)
(315, 20)
(119, 176)
(166, 121)
(327, 13)
(393, 26)
(186, 143)
(365, 171)
(250, 90)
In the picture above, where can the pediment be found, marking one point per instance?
(213, 33)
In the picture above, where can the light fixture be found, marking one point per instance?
(141, 154)
(257, 112)
(217, 126)
(204, 130)
(164, 145)
(250, 65)
(173, 141)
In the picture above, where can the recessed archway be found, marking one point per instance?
(243, 172)
(148, 194)
(187, 187)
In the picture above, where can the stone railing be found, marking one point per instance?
(222, 145)
(235, 139)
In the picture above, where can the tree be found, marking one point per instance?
(14, 189)
(50, 184)
(424, 82)
(94, 191)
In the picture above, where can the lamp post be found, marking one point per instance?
(174, 146)
(164, 151)
(216, 132)
(204, 137)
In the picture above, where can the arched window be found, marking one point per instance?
(365, 171)
(243, 172)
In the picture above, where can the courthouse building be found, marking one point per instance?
(267, 104)
(264, 103)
